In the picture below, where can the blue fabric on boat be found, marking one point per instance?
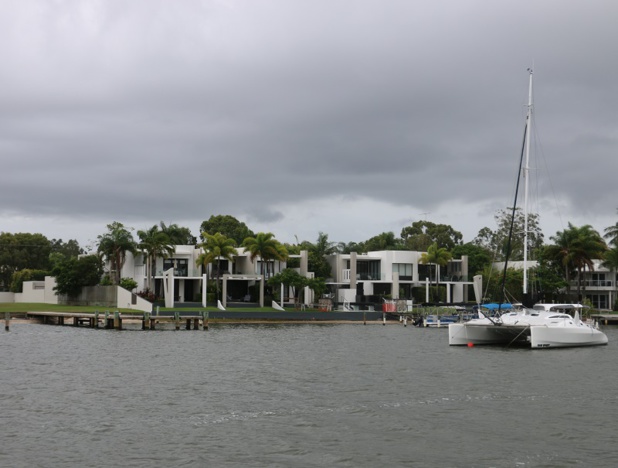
(494, 306)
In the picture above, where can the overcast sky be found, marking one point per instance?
(349, 117)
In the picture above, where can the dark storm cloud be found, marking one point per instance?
(155, 110)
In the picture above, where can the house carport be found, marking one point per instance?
(227, 277)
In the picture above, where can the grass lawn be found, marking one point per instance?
(16, 307)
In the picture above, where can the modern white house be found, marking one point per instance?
(395, 273)
(179, 279)
(355, 277)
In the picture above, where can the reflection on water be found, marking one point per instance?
(299, 395)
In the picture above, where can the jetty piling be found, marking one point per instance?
(117, 320)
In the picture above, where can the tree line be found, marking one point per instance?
(565, 259)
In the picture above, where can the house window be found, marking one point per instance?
(368, 270)
(599, 301)
(405, 270)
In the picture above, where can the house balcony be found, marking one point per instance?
(183, 273)
(598, 285)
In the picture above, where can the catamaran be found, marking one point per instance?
(541, 327)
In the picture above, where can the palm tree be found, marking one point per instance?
(178, 235)
(575, 248)
(589, 245)
(437, 256)
(611, 233)
(562, 251)
(318, 253)
(216, 247)
(154, 243)
(266, 247)
(114, 246)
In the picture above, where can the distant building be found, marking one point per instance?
(598, 286)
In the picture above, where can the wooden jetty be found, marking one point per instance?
(114, 320)
(605, 319)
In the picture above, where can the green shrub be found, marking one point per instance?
(128, 283)
(18, 278)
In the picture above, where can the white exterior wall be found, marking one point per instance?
(50, 294)
(347, 295)
(125, 299)
(32, 291)
(7, 297)
(38, 292)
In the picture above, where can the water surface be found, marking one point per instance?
(309, 395)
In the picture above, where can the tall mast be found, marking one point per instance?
(526, 169)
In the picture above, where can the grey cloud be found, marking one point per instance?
(178, 110)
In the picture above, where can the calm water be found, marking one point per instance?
(300, 396)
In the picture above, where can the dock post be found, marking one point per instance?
(188, 324)
(364, 318)
(205, 319)
(95, 323)
(383, 319)
(60, 320)
(405, 321)
(117, 321)
(106, 319)
(196, 323)
(7, 320)
(146, 321)
(177, 320)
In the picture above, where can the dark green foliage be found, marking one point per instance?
(317, 252)
(155, 243)
(228, 226)
(114, 245)
(547, 280)
(66, 249)
(497, 241)
(19, 251)
(383, 241)
(128, 283)
(574, 249)
(317, 285)
(73, 274)
(178, 235)
(26, 274)
(290, 278)
(421, 234)
(478, 257)
(492, 285)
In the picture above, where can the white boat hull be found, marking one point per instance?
(564, 337)
(561, 334)
(466, 334)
